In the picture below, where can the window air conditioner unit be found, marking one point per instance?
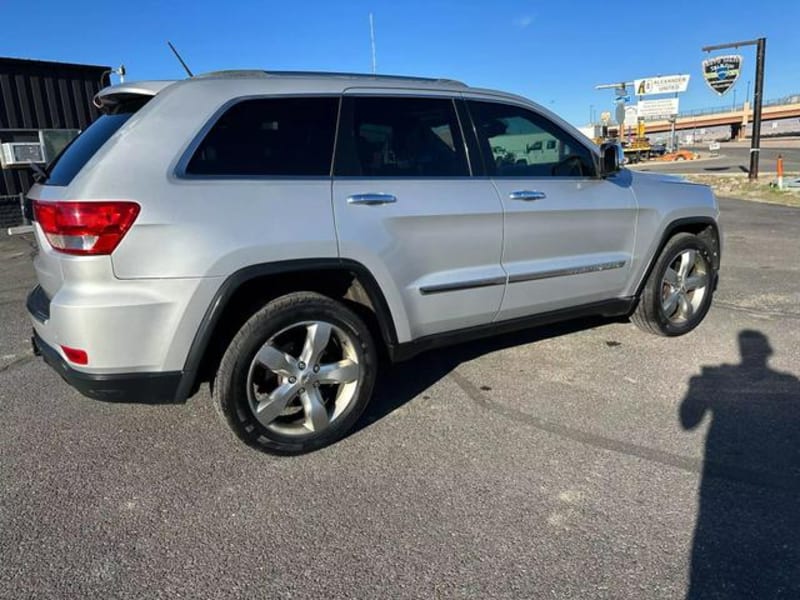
(21, 153)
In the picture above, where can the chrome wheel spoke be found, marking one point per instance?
(670, 304)
(317, 337)
(671, 277)
(687, 262)
(343, 371)
(289, 392)
(316, 413)
(696, 282)
(271, 408)
(686, 307)
(276, 361)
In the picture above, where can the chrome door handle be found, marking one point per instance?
(527, 195)
(371, 199)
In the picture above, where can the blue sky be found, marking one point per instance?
(552, 52)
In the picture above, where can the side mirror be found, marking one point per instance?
(611, 158)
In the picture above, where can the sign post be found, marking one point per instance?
(758, 97)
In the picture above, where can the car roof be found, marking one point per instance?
(324, 82)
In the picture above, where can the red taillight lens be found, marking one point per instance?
(75, 355)
(85, 228)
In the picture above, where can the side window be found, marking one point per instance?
(270, 136)
(519, 143)
(400, 137)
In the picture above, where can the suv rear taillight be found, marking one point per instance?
(85, 228)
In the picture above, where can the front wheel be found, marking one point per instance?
(678, 292)
(297, 375)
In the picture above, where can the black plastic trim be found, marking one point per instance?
(669, 231)
(462, 285)
(595, 268)
(202, 338)
(607, 308)
(145, 388)
(38, 304)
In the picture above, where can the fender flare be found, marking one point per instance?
(228, 288)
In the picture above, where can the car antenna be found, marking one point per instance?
(178, 56)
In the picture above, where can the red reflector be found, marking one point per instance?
(79, 357)
(85, 228)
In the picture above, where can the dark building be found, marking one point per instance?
(43, 105)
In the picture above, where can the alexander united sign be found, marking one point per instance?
(663, 84)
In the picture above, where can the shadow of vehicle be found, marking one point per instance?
(747, 535)
(402, 382)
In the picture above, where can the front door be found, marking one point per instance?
(569, 235)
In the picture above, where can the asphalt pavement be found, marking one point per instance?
(734, 157)
(586, 460)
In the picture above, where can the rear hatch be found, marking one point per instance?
(58, 216)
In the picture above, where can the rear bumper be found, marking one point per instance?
(144, 388)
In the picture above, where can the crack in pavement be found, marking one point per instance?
(755, 311)
(714, 469)
(21, 360)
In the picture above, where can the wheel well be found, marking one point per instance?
(707, 232)
(354, 289)
(704, 228)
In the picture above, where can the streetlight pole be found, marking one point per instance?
(758, 97)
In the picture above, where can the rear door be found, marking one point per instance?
(407, 208)
(569, 234)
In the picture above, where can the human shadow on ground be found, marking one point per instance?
(747, 534)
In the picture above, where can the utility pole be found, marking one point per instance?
(758, 97)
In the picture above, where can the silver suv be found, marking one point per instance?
(277, 234)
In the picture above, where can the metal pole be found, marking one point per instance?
(673, 145)
(758, 100)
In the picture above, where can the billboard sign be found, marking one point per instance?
(657, 110)
(666, 84)
(722, 72)
(631, 116)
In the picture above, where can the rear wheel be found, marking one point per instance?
(298, 374)
(678, 292)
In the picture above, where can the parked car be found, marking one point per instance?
(657, 150)
(277, 235)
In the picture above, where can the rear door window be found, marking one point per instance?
(73, 158)
(400, 137)
(270, 137)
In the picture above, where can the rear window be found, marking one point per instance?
(270, 136)
(73, 158)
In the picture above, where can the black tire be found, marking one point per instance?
(230, 391)
(649, 314)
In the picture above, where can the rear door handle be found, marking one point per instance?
(527, 195)
(371, 199)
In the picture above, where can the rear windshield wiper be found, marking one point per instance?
(39, 174)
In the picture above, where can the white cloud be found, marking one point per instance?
(523, 22)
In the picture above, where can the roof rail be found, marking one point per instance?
(244, 73)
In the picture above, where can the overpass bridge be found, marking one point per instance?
(736, 117)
